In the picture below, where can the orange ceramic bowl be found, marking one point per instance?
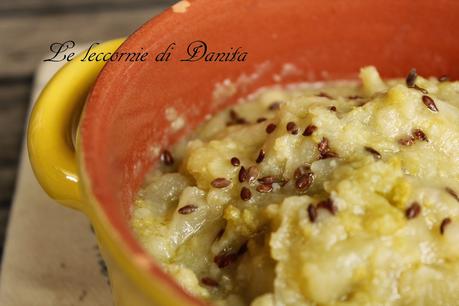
(124, 124)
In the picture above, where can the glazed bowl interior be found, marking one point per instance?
(125, 125)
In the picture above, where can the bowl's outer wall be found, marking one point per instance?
(124, 121)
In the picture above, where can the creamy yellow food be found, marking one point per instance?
(344, 193)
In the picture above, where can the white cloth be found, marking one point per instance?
(51, 257)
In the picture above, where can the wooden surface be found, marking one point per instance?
(27, 28)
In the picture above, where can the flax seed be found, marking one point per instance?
(167, 158)
(220, 182)
(429, 102)
(413, 211)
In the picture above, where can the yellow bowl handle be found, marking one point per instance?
(56, 112)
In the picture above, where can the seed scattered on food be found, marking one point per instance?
(324, 149)
(246, 194)
(274, 106)
(333, 108)
(235, 118)
(312, 213)
(354, 97)
(219, 234)
(209, 282)
(411, 78)
(323, 146)
(243, 249)
(373, 152)
(444, 224)
(267, 179)
(233, 115)
(413, 211)
(292, 128)
(270, 128)
(220, 182)
(324, 95)
(310, 129)
(329, 154)
(301, 170)
(225, 259)
(264, 188)
(167, 158)
(452, 193)
(443, 78)
(406, 141)
(252, 173)
(187, 209)
(242, 174)
(420, 135)
(261, 156)
(262, 119)
(305, 181)
(328, 205)
(429, 102)
(235, 161)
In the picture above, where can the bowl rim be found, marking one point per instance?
(121, 244)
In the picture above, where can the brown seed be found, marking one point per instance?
(274, 106)
(420, 135)
(443, 78)
(261, 119)
(219, 234)
(225, 259)
(354, 97)
(429, 102)
(301, 170)
(235, 118)
(292, 128)
(375, 153)
(270, 128)
(235, 161)
(406, 141)
(236, 122)
(422, 90)
(309, 130)
(220, 182)
(324, 95)
(233, 115)
(413, 211)
(332, 108)
(242, 174)
(329, 154)
(267, 179)
(323, 146)
(411, 78)
(209, 282)
(328, 205)
(246, 194)
(187, 209)
(304, 181)
(312, 213)
(444, 224)
(261, 156)
(452, 193)
(243, 249)
(241, 121)
(167, 158)
(324, 149)
(264, 188)
(252, 173)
